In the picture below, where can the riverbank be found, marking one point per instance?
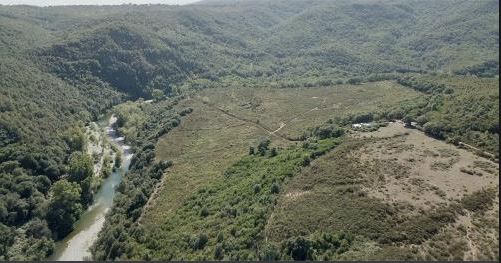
(75, 246)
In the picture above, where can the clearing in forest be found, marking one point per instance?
(226, 122)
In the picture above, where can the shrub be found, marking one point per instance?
(219, 252)
(257, 188)
(273, 152)
(354, 81)
(479, 201)
(263, 146)
(306, 161)
(275, 189)
(299, 248)
(204, 212)
(434, 129)
(269, 252)
(220, 237)
(199, 242)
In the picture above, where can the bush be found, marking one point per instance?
(479, 201)
(218, 252)
(269, 252)
(273, 152)
(299, 248)
(306, 161)
(354, 81)
(275, 189)
(199, 242)
(263, 146)
(257, 188)
(204, 212)
(434, 129)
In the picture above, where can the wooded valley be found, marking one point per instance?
(245, 121)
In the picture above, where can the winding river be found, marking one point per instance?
(75, 246)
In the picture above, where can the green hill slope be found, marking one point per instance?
(61, 67)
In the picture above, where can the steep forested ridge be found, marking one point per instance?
(61, 67)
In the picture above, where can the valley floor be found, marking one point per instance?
(369, 183)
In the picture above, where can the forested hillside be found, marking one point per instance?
(61, 67)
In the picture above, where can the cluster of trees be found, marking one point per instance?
(30, 179)
(41, 126)
(423, 86)
(121, 56)
(222, 220)
(328, 131)
(488, 68)
(35, 211)
(317, 246)
(452, 108)
(143, 123)
(468, 113)
(263, 148)
(323, 246)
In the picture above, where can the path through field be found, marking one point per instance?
(160, 184)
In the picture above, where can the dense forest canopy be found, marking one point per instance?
(61, 67)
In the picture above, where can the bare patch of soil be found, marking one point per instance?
(406, 165)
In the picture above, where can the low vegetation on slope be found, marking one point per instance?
(62, 67)
(459, 109)
(226, 218)
(337, 193)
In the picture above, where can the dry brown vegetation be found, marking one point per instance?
(381, 184)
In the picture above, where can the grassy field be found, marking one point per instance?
(301, 108)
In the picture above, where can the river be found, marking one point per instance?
(75, 246)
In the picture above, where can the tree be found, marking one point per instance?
(87, 195)
(118, 159)
(64, 207)
(200, 241)
(421, 120)
(157, 94)
(37, 228)
(219, 252)
(273, 152)
(434, 129)
(323, 132)
(75, 138)
(263, 146)
(275, 189)
(81, 167)
(407, 120)
(6, 239)
(299, 248)
(269, 252)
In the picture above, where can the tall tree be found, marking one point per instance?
(64, 207)
(81, 167)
